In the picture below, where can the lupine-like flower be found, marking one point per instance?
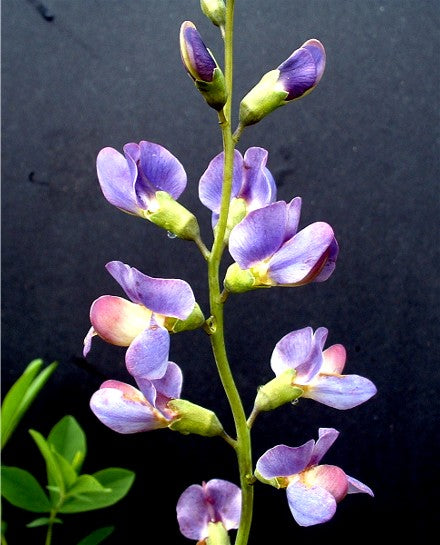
(270, 251)
(294, 78)
(146, 181)
(313, 490)
(201, 66)
(144, 319)
(253, 185)
(216, 502)
(303, 368)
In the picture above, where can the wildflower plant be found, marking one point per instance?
(269, 250)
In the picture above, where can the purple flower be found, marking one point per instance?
(130, 181)
(318, 372)
(126, 409)
(312, 490)
(253, 185)
(141, 320)
(303, 70)
(216, 501)
(268, 247)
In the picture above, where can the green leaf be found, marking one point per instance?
(20, 396)
(68, 474)
(97, 536)
(99, 490)
(69, 440)
(43, 521)
(21, 489)
(54, 472)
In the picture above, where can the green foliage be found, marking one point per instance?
(22, 489)
(21, 395)
(97, 536)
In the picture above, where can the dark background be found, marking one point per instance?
(362, 152)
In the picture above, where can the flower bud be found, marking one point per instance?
(238, 280)
(277, 392)
(215, 10)
(195, 320)
(237, 211)
(173, 217)
(202, 67)
(192, 418)
(294, 78)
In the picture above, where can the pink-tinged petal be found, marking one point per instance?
(164, 296)
(259, 235)
(356, 487)
(161, 169)
(301, 258)
(168, 387)
(310, 506)
(330, 263)
(192, 513)
(117, 180)
(225, 498)
(88, 341)
(292, 350)
(334, 359)
(327, 436)
(312, 365)
(340, 391)
(117, 320)
(147, 355)
(259, 187)
(293, 216)
(283, 461)
(124, 409)
(211, 181)
(331, 478)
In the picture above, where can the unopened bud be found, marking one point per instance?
(175, 218)
(192, 418)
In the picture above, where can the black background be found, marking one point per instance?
(361, 151)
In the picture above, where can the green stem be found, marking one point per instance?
(50, 527)
(243, 442)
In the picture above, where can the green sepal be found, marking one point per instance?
(214, 91)
(237, 211)
(277, 482)
(195, 320)
(192, 418)
(174, 217)
(262, 99)
(238, 280)
(23, 490)
(277, 392)
(217, 534)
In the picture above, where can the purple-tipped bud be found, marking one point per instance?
(201, 66)
(293, 79)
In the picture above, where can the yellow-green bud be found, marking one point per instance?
(238, 280)
(174, 217)
(195, 320)
(192, 418)
(277, 392)
(217, 534)
(237, 211)
(215, 10)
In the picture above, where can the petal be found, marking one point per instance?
(340, 391)
(259, 235)
(162, 170)
(169, 386)
(310, 506)
(301, 258)
(124, 409)
(117, 180)
(168, 297)
(327, 436)
(117, 320)
(298, 74)
(211, 181)
(195, 56)
(312, 365)
(292, 350)
(192, 513)
(259, 187)
(334, 359)
(225, 497)
(88, 341)
(331, 478)
(330, 263)
(356, 487)
(147, 355)
(283, 461)
(316, 49)
(293, 215)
